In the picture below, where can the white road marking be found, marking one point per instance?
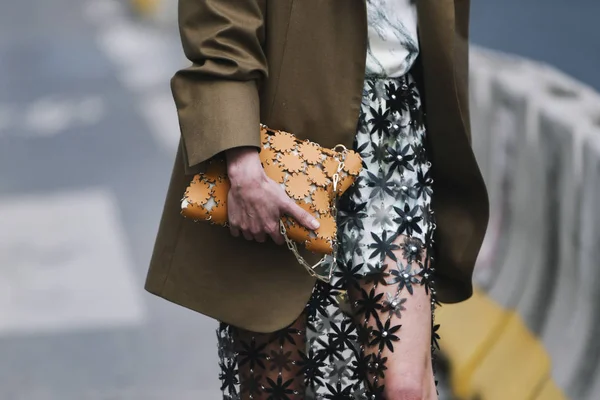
(146, 60)
(50, 116)
(161, 116)
(47, 117)
(140, 52)
(64, 265)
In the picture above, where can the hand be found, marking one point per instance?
(255, 202)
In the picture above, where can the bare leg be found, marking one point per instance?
(394, 313)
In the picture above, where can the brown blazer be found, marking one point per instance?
(298, 65)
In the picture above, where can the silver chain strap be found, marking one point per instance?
(312, 269)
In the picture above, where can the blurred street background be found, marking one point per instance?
(87, 140)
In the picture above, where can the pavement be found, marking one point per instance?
(87, 139)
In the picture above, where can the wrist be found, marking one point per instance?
(243, 163)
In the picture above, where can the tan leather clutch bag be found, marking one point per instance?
(312, 175)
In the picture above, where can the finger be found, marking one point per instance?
(260, 237)
(256, 230)
(276, 235)
(234, 231)
(278, 238)
(248, 235)
(302, 216)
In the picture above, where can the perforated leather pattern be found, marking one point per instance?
(304, 169)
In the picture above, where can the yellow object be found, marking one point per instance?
(550, 391)
(492, 353)
(513, 368)
(145, 7)
(468, 330)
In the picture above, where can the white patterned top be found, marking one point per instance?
(393, 42)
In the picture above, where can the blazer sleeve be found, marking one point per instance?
(217, 96)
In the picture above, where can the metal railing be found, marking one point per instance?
(537, 138)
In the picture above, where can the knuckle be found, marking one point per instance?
(294, 209)
(273, 228)
(304, 217)
(288, 203)
(284, 208)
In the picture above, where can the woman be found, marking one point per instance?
(354, 72)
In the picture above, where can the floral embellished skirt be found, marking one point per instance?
(340, 346)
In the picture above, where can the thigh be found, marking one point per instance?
(393, 310)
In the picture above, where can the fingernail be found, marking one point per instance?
(314, 224)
